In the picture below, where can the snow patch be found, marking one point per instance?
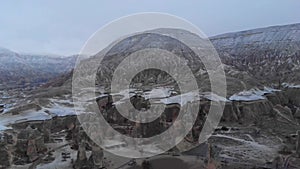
(287, 85)
(247, 96)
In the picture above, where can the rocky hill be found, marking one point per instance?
(270, 54)
(163, 39)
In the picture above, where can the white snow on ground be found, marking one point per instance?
(213, 97)
(288, 85)
(136, 151)
(163, 95)
(2, 127)
(252, 94)
(30, 115)
(193, 96)
(246, 96)
(62, 111)
(64, 107)
(182, 99)
(56, 109)
(271, 90)
(158, 93)
(155, 93)
(125, 94)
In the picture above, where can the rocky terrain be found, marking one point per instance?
(259, 127)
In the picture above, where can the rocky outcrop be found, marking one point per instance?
(249, 106)
(96, 157)
(251, 111)
(81, 160)
(277, 98)
(293, 95)
(298, 144)
(297, 113)
(285, 113)
(5, 157)
(30, 142)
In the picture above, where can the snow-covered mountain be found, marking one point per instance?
(270, 54)
(22, 69)
(280, 39)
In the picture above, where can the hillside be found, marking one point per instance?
(270, 54)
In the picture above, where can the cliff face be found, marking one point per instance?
(270, 54)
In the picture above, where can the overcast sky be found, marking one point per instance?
(62, 26)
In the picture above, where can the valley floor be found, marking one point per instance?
(257, 132)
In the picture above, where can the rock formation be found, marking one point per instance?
(298, 144)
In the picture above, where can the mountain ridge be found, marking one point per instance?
(271, 54)
(31, 70)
